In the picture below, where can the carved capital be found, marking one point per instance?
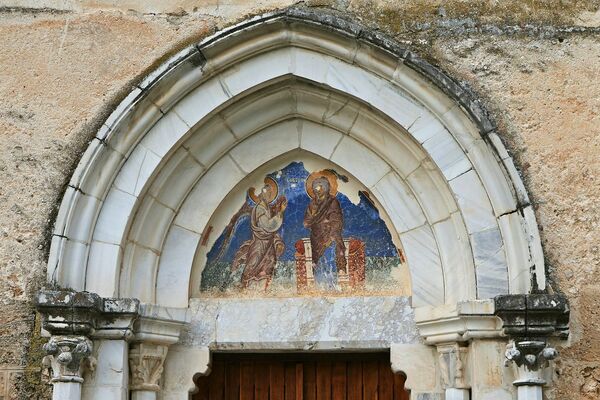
(67, 357)
(452, 360)
(530, 358)
(529, 320)
(146, 361)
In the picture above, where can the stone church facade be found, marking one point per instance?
(187, 180)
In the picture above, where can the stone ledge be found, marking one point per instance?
(66, 312)
(458, 322)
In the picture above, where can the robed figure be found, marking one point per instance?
(325, 220)
(259, 254)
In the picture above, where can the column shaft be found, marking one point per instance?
(66, 391)
(527, 392)
(457, 394)
(143, 395)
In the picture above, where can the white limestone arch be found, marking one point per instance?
(129, 224)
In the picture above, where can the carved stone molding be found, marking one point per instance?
(458, 323)
(67, 357)
(146, 361)
(452, 360)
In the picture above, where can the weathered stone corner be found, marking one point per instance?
(66, 312)
(533, 316)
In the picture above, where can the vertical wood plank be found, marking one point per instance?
(290, 381)
(261, 381)
(354, 380)
(323, 374)
(370, 380)
(299, 381)
(386, 381)
(216, 381)
(399, 392)
(202, 385)
(338, 381)
(247, 381)
(232, 381)
(276, 381)
(310, 385)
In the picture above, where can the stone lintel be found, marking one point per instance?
(533, 316)
(460, 322)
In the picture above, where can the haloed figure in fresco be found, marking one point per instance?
(325, 220)
(259, 254)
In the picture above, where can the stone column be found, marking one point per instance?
(529, 320)
(112, 333)
(70, 318)
(74, 319)
(452, 358)
(530, 358)
(67, 357)
(156, 329)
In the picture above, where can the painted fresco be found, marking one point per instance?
(299, 234)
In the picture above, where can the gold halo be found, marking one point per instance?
(274, 190)
(331, 178)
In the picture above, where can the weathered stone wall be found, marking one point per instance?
(64, 65)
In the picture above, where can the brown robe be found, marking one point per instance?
(325, 220)
(260, 253)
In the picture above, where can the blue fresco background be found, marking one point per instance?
(361, 221)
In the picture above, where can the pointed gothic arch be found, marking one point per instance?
(450, 168)
(132, 218)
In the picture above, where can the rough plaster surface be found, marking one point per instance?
(549, 94)
(64, 65)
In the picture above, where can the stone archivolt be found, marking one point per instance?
(132, 219)
(130, 225)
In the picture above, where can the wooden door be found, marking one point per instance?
(301, 377)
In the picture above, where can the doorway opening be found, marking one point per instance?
(301, 376)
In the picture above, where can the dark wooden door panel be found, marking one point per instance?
(301, 377)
